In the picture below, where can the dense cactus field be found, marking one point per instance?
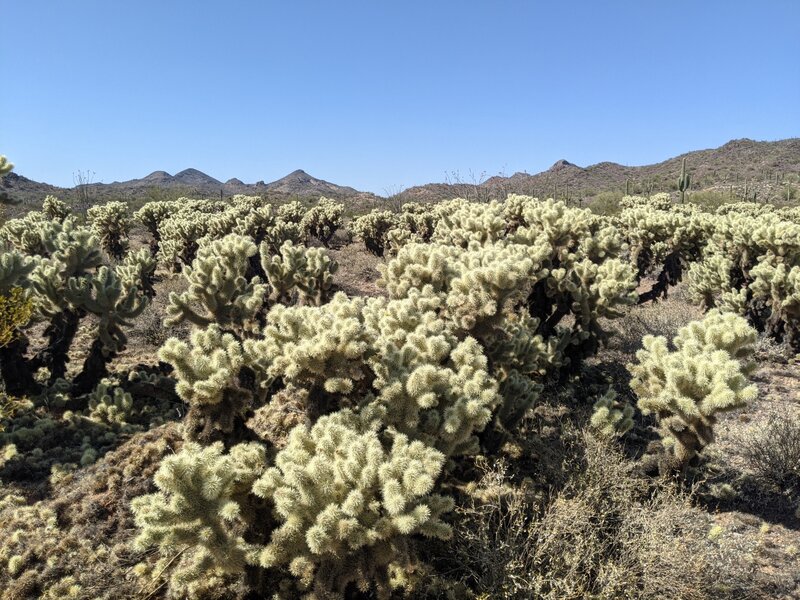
(466, 432)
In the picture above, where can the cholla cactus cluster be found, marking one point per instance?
(374, 228)
(326, 435)
(390, 391)
(110, 404)
(178, 228)
(686, 388)
(611, 418)
(298, 275)
(57, 266)
(322, 220)
(54, 209)
(111, 224)
(378, 495)
(663, 240)
(6, 166)
(751, 266)
(557, 261)
(201, 507)
(384, 230)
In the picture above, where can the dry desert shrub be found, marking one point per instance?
(606, 534)
(663, 318)
(772, 452)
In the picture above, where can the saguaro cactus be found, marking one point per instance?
(684, 181)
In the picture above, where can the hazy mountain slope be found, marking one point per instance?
(734, 163)
(189, 182)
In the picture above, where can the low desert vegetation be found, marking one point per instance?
(200, 401)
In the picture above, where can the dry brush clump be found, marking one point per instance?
(772, 453)
(609, 533)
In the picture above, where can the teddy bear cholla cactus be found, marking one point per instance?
(419, 219)
(688, 387)
(223, 289)
(298, 275)
(180, 228)
(707, 278)
(373, 228)
(14, 269)
(152, 214)
(751, 209)
(55, 209)
(513, 295)
(752, 267)
(137, 270)
(291, 212)
(777, 285)
(611, 418)
(660, 201)
(461, 222)
(72, 252)
(397, 384)
(484, 284)
(384, 231)
(282, 232)
(178, 238)
(111, 223)
(15, 304)
(319, 349)
(104, 296)
(346, 503)
(201, 510)
(209, 373)
(430, 385)
(32, 234)
(664, 243)
(110, 404)
(322, 221)
(6, 166)
(386, 375)
(220, 290)
(66, 284)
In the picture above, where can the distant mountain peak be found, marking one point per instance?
(195, 177)
(158, 176)
(562, 164)
(298, 175)
(301, 183)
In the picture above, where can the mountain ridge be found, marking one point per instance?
(191, 182)
(735, 162)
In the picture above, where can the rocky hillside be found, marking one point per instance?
(765, 166)
(189, 182)
(735, 163)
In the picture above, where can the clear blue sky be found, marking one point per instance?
(381, 95)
